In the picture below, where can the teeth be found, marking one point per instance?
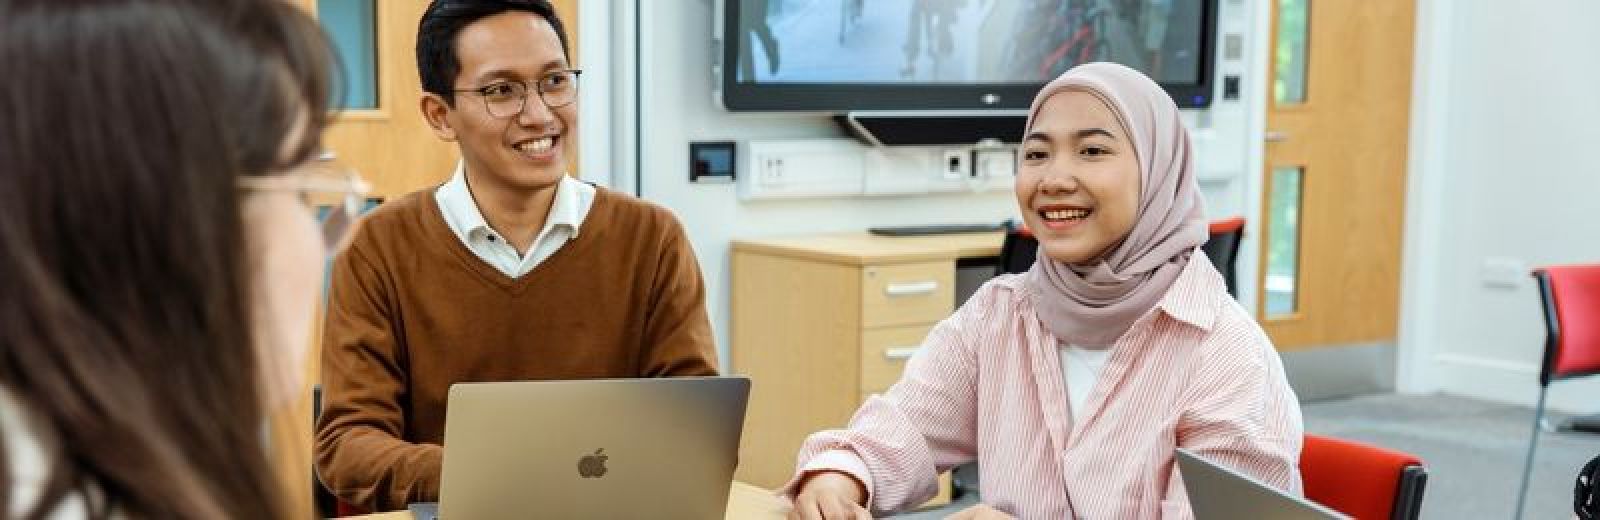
(1065, 214)
(537, 145)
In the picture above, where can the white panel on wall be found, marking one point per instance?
(800, 168)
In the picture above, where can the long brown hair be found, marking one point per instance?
(124, 279)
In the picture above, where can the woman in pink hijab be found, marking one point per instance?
(1072, 384)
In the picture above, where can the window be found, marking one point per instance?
(1282, 282)
(352, 26)
(1289, 59)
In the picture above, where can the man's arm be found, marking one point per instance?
(677, 333)
(361, 453)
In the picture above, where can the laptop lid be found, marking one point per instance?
(1220, 493)
(598, 448)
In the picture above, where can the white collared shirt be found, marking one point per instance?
(571, 205)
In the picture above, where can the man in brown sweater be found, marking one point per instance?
(511, 270)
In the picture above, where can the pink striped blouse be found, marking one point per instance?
(1196, 372)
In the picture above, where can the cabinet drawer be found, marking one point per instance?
(907, 294)
(884, 353)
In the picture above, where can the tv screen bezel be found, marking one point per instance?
(852, 97)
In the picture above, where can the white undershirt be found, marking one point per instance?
(1081, 367)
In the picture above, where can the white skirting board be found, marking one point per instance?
(1512, 383)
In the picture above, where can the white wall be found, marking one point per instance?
(678, 108)
(600, 79)
(1505, 119)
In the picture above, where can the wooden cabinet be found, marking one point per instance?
(822, 322)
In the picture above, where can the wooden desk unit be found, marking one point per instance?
(822, 322)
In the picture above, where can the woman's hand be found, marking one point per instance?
(980, 512)
(830, 495)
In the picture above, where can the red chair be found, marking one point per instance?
(1361, 480)
(347, 510)
(1571, 296)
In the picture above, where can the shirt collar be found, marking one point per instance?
(461, 210)
(564, 211)
(455, 201)
(1192, 298)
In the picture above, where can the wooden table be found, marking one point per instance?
(744, 502)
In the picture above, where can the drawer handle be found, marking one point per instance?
(911, 288)
(900, 353)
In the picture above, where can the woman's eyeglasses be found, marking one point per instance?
(320, 183)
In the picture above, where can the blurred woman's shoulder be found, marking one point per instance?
(27, 463)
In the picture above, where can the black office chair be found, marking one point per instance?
(326, 505)
(1020, 249)
(1223, 249)
(1017, 252)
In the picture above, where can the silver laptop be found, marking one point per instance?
(1218, 493)
(599, 448)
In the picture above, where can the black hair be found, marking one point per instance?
(437, 62)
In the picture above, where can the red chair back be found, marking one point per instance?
(1227, 225)
(344, 510)
(1223, 249)
(1361, 480)
(1571, 296)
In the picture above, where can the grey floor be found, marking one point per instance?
(1473, 450)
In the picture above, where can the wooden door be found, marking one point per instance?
(1334, 197)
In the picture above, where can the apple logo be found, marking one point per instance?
(593, 466)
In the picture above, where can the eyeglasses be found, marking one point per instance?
(506, 98)
(316, 182)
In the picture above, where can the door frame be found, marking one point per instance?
(1419, 287)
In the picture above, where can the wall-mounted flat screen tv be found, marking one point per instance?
(859, 55)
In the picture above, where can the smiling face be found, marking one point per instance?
(1078, 183)
(526, 150)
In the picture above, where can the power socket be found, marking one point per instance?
(957, 164)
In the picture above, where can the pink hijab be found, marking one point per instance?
(1093, 305)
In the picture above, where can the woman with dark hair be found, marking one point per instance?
(158, 265)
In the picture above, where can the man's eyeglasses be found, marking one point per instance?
(317, 183)
(506, 98)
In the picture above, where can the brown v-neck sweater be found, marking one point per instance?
(411, 311)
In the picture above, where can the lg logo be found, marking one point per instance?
(593, 466)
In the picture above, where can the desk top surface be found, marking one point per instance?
(744, 502)
(860, 248)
